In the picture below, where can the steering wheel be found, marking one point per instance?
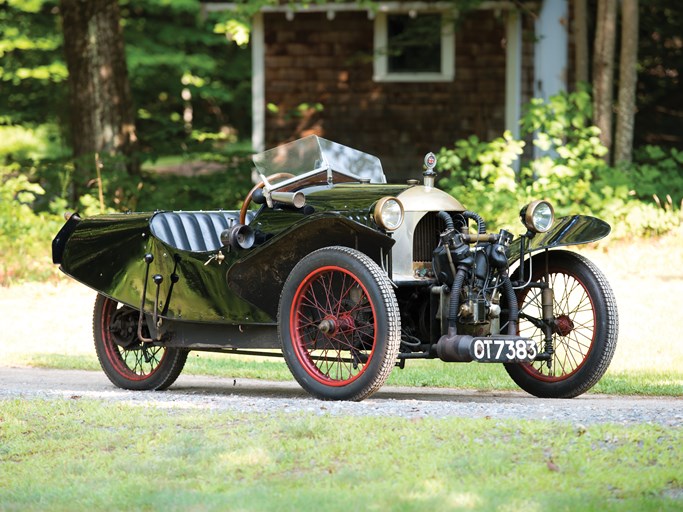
(260, 184)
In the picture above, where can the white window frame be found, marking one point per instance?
(381, 60)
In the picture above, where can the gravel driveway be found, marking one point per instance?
(255, 396)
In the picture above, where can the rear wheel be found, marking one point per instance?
(339, 324)
(584, 328)
(127, 362)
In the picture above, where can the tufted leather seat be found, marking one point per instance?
(193, 231)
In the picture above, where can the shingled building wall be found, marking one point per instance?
(319, 79)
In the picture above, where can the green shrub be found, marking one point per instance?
(24, 235)
(481, 176)
(657, 172)
(29, 141)
(613, 197)
(572, 152)
(37, 185)
(641, 199)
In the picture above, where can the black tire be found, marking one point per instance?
(339, 324)
(127, 362)
(585, 335)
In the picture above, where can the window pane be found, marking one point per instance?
(414, 44)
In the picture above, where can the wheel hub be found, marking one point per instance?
(123, 328)
(327, 326)
(563, 325)
(330, 326)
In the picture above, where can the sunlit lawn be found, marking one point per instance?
(83, 455)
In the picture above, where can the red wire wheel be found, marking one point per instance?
(333, 326)
(128, 363)
(339, 324)
(585, 327)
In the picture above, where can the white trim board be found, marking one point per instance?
(258, 84)
(359, 6)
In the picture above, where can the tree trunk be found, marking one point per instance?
(581, 41)
(101, 110)
(628, 60)
(603, 70)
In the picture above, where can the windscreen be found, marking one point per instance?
(311, 155)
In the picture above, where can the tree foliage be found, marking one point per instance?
(32, 70)
(191, 88)
(170, 48)
(174, 53)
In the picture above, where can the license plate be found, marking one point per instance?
(503, 349)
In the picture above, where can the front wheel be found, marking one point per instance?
(584, 326)
(339, 324)
(127, 362)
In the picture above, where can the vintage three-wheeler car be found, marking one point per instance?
(346, 277)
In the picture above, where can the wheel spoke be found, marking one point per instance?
(336, 296)
(128, 357)
(574, 309)
(344, 291)
(128, 362)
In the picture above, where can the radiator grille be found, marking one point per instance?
(426, 237)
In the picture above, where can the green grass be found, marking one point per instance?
(56, 361)
(646, 383)
(91, 455)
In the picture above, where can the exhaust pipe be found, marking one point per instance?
(454, 347)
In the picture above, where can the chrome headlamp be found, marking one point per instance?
(538, 216)
(388, 213)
